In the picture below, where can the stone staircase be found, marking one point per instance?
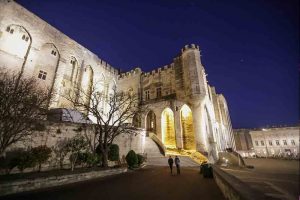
(155, 156)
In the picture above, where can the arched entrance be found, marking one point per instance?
(136, 121)
(151, 122)
(167, 128)
(187, 128)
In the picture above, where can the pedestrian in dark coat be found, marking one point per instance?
(177, 163)
(170, 162)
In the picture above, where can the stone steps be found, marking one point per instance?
(155, 157)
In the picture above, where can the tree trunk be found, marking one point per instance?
(105, 159)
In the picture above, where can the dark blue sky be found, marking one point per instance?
(250, 48)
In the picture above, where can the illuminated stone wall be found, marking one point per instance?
(55, 132)
(188, 135)
(168, 129)
(31, 45)
(276, 142)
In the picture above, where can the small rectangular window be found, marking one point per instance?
(277, 142)
(284, 142)
(262, 143)
(293, 142)
(256, 143)
(42, 75)
(270, 142)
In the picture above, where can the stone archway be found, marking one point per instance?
(168, 128)
(151, 122)
(187, 128)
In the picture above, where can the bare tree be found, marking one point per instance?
(112, 114)
(22, 104)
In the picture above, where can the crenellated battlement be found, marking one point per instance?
(159, 70)
(130, 74)
(189, 46)
(108, 67)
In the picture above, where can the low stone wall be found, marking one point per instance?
(27, 185)
(233, 188)
(54, 132)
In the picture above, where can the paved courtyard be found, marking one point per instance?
(276, 178)
(148, 183)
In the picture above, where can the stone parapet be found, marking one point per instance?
(233, 188)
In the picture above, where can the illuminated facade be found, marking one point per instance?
(184, 111)
(276, 142)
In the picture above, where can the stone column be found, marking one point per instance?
(198, 122)
(178, 133)
(158, 125)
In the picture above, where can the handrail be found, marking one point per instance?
(158, 142)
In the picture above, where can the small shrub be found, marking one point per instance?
(113, 153)
(140, 158)
(131, 159)
(25, 160)
(41, 154)
(81, 158)
(9, 162)
(85, 158)
(76, 145)
(92, 159)
(60, 150)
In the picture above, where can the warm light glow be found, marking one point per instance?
(13, 43)
(187, 128)
(167, 127)
(185, 111)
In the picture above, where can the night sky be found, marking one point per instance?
(250, 48)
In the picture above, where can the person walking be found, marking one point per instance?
(177, 163)
(170, 162)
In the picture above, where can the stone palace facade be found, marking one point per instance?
(184, 111)
(274, 142)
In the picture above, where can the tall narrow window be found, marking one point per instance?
(277, 142)
(42, 75)
(262, 143)
(147, 94)
(158, 92)
(256, 143)
(270, 142)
